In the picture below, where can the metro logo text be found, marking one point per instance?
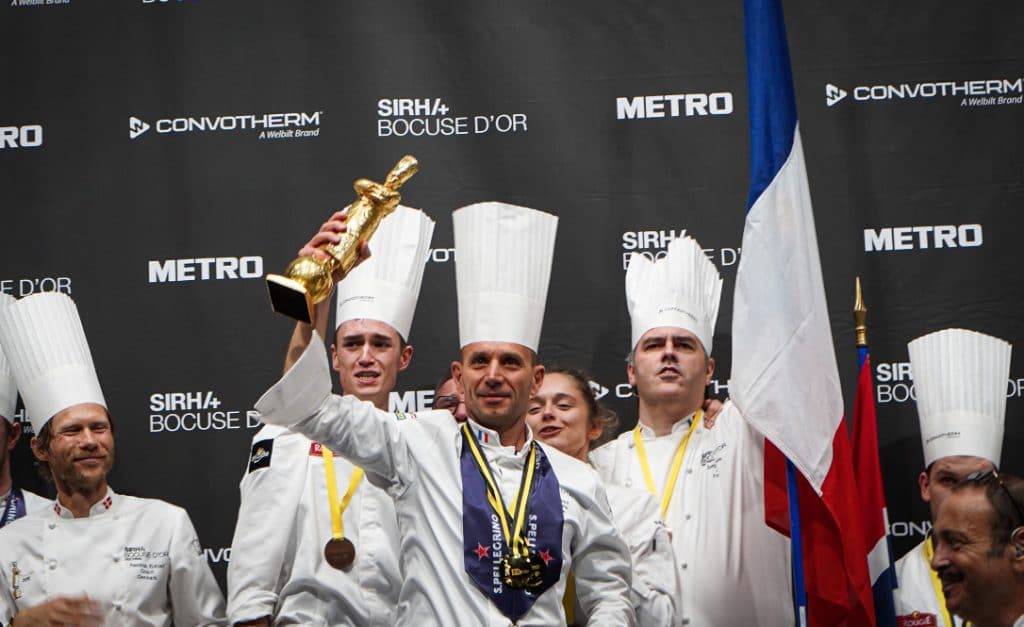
(921, 237)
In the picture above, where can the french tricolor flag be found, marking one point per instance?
(784, 376)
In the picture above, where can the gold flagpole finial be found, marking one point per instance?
(860, 317)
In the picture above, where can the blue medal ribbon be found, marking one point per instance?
(15, 507)
(484, 543)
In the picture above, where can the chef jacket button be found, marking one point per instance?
(117, 558)
(53, 564)
(632, 445)
(689, 516)
(686, 621)
(699, 431)
(684, 566)
(117, 606)
(53, 525)
(689, 471)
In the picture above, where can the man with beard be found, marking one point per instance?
(960, 386)
(708, 478)
(95, 555)
(979, 549)
(15, 501)
(290, 510)
(491, 521)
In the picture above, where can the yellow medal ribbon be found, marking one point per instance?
(677, 463)
(929, 553)
(337, 526)
(512, 521)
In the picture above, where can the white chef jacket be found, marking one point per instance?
(417, 461)
(277, 565)
(655, 593)
(734, 569)
(33, 502)
(139, 558)
(916, 592)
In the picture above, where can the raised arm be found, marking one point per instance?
(302, 402)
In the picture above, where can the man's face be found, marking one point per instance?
(448, 397)
(946, 472)
(497, 380)
(975, 579)
(81, 450)
(368, 356)
(669, 363)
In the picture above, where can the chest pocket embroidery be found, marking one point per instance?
(145, 565)
(711, 460)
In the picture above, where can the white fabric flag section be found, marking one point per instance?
(782, 340)
(8, 388)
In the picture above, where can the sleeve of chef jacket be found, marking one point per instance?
(601, 565)
(657, 596)
(302, 401)
(196, 598)
(266, 525)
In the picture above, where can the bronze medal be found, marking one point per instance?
(522, 572)
(340, 553)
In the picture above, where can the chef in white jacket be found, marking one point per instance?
(15, 501)
(94, 556)
(734, 569)
(278, 573)
(565, 414)
(960, 386)
(491, 522)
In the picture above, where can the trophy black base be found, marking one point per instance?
(289, 297)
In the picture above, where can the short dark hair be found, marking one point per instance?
(599, 414)
(1005, 493)
(43, 439)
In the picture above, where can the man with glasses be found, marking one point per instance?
(446, 396)
(979, 549)
(315, 543)
(960, 386)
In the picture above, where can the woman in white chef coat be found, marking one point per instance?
(565, 414)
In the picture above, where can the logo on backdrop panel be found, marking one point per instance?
(945, 236)
(433, 117)
(653, 244)
(987, 92)
(205, 269)
(674, 106)
(894, 384)
(24, 136)
(196, 411)
(38, 3)
(294, 125)
(34, 285)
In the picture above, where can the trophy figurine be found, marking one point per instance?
(308, 280)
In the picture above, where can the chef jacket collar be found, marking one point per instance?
(647, 433)
(489, 438)
(103, 506)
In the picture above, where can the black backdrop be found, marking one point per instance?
(158, 157)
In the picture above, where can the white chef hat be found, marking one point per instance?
(8, 388)
(386, 286)
(44, 341)
(682, 289)
(503, 259)
(960, 384)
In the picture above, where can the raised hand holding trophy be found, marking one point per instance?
(308, 280)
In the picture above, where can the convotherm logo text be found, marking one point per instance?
(270, 125)
(972, 93)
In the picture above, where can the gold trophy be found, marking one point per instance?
(307, 281)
